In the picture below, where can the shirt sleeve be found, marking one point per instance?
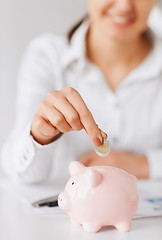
(155, 163)
(22, 157)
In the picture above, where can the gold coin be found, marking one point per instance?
(104, 149)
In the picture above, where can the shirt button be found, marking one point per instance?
(25, 157)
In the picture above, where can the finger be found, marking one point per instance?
(104, 135)
(85, 116)
(44, 128)
(52, 115)
(67, 110)
(42, 131)
(84, 160)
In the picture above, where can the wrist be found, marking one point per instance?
(144, 173)
(45, 140)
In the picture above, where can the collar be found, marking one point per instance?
(76, 50)
(150, 68)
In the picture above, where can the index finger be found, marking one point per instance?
(85, 115)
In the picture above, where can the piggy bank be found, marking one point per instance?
(99, 196)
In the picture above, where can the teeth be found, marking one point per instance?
(120, 19)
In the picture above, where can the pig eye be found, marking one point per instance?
(72, 183)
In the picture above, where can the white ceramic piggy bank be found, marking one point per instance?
(99, 196)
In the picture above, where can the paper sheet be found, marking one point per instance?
(150, 202)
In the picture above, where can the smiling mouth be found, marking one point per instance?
(123, 21)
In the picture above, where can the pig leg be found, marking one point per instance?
(123, 226)
(74, 222)
(91, 227)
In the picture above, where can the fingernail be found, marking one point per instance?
(98, 141)
(101, 140)
(104, 135)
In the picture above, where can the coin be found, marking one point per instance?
(104, 149)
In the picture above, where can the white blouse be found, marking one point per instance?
(131, 115)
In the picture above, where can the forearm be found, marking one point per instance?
(132, 163)
(137, 165)
(24, 160)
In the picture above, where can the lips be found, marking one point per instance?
(121, 20)
(118, 19)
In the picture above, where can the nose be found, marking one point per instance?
(63, 201)
(124, 5)
(60, 199)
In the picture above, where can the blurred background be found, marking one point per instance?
(20, 21)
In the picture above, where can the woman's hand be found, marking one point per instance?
(131, 163)
(63, 111)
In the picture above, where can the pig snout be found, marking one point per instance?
(63, 201)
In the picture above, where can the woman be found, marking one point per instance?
(107, 72)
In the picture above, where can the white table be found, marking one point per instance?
(17, 225)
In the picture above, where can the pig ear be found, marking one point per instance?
(94, 178)
(76, 167)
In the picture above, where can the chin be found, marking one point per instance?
(118, 37)
(118, 33)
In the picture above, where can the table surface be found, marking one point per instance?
(16, 224)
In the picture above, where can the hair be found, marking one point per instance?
(75, 27)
